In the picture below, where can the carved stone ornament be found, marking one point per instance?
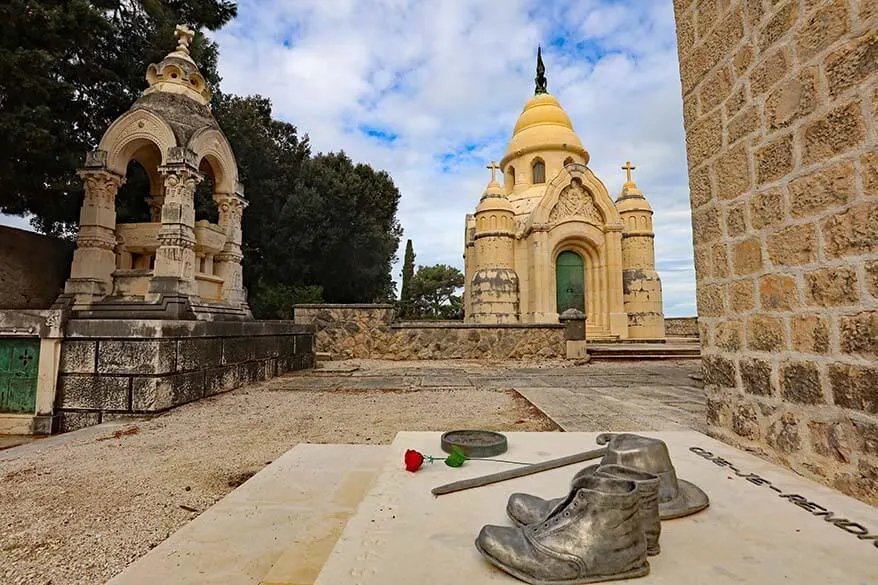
(101, 188)
(576, 201)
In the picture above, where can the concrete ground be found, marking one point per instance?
(82, 506)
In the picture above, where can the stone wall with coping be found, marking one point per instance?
(116, 368)
(33, 268)
(368, 332)
(681, 326)
(780, 103)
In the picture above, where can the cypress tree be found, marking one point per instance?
(408, 271)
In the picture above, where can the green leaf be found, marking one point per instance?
(456, 459)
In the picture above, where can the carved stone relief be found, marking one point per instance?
(576, 201)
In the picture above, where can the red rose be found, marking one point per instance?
(413, 460)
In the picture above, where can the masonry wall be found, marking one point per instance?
(681, 326)
(33, 268)
(780, 104)
(368, 331)
(117, 368)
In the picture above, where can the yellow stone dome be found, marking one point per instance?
(543, 125)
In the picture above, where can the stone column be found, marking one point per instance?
(618, 317)
(174, 272)
(227, 264)
(94, 260)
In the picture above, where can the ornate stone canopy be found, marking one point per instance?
(174, 266)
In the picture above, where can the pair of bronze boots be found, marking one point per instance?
(602, 530)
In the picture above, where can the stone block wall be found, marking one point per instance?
(681, 326)
(33, 268)
(113, 368)
(368, 332)
(780, 101)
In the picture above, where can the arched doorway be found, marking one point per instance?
(569, 282)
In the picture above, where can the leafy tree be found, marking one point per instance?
(67, 70)
(347, 215)
(408, 271)
(276, 301)
(433, 289)
(312, 221)
(270, 156)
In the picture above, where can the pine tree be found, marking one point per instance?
(408, 271)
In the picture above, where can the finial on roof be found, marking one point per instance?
(184, 37)
(630, 189)
(494, 167)
(628, 167)
(540, 79)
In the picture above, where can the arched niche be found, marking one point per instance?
(139, 198)
(538, 171)
(128, 135)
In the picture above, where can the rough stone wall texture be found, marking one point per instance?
(111, 369)
(681, 326)
(367, 331)
(33, 268)
(780, 101)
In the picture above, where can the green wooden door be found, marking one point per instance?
(570, 282)
(18, 374)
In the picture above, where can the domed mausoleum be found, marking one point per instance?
(551, 238)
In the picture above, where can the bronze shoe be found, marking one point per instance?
(595, 534)
(677, 497)
(526, 509)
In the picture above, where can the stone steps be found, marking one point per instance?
(643, 351)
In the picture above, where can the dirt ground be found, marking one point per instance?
(78, 508)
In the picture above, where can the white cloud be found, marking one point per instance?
(450, 74)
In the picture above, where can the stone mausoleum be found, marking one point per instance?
(551, 238)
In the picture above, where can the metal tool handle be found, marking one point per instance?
(474, 482)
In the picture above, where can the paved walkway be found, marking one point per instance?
(601, 396)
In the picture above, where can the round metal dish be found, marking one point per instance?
(475, 443)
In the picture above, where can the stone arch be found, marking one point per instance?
(594, 259)
(212, 147)
(602, 200)
(568, 161)
(509, 178)
(130, 133)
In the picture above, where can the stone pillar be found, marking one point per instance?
(94, 260)
(228, 262)
(618, 317)
(574, 334)
(174, 272)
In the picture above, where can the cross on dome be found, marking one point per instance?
(628, 167)
(184, 36)
(494, 168)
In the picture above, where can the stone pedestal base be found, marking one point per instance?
(765, 525)
(120, 367)
(576, 350)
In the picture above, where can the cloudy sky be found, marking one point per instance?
(430, 92)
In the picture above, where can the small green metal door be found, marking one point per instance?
(569, 282)
(18, 374)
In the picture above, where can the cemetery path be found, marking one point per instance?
(79, 507)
